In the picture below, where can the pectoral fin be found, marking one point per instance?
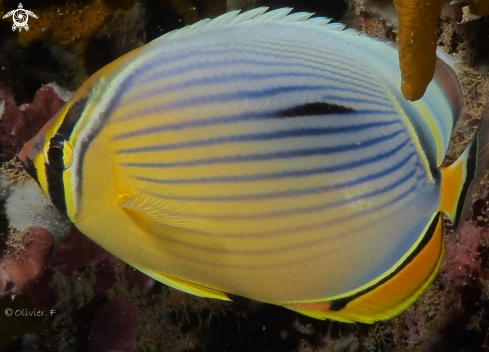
(154, 209)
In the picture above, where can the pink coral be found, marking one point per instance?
(19, 124)
(463, 263)
(20, 267)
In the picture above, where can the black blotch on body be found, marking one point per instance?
(339, 304)
(311, 109)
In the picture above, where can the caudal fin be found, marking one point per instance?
(461, 179)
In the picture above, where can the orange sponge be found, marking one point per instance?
(71, 24)
(479, 7)
(417, 38)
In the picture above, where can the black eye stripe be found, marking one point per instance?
(55, 158)
(55, 153)
(72, 117)
(56, 188)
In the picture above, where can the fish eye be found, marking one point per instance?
(58, 153)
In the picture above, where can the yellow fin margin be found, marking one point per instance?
(185, 286)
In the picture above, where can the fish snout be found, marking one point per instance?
(24, 157)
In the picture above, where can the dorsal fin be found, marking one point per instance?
(449, 82)
(252, 18)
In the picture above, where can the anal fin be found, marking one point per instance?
(186, 286)
(393, 293)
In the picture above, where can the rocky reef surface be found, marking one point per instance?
(62, 292)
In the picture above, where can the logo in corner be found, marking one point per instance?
(20, 17)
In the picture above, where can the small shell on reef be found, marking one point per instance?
(467, 16)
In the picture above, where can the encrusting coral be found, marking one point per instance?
(19, 124)
(24, 260)
(417, 41)
(115, 327)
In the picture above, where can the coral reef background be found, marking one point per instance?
(74, 296)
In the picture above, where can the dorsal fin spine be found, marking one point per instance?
(252, 17)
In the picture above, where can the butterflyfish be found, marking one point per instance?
(268, 155)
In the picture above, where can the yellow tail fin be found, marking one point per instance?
(460, 180)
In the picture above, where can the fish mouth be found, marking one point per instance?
(27, 164)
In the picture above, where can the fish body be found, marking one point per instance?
(266, 155)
